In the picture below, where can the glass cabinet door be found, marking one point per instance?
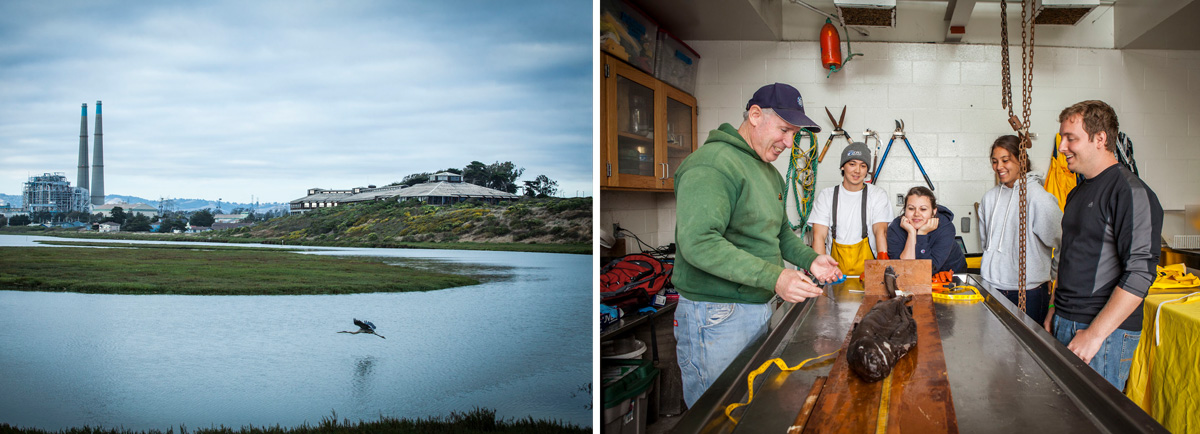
(647, 128)
(635, 128)
(680, 140)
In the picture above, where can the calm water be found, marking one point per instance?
(520, 343)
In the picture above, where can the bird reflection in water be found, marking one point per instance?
(364, 368)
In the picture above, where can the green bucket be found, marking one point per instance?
(625, 379)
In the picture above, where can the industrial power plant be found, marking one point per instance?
(51, 192)
(97, 187)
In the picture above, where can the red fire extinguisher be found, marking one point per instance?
(831, 47)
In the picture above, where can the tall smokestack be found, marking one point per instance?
(82, 180)
(98, 162)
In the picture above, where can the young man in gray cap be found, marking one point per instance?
(733, 237)
(851, 218)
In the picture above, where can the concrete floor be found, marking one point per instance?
(664, 424)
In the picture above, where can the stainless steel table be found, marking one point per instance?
(1006, 373)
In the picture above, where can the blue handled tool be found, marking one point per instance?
(900, 133)
(825, 287)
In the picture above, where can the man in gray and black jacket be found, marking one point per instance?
(1111, 241)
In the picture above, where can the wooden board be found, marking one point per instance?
(914, 276)
(809, 403)
(919, 399)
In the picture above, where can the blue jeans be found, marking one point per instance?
(709, 335)
(1037, 301)
(1115, 355)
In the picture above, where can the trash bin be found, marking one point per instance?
(625, 385)
(629, 348)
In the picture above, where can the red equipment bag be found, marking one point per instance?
(632, 280)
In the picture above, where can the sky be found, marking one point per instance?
(239, 100)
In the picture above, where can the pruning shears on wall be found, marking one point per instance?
(837, 131)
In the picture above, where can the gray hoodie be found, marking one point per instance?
(999, 223)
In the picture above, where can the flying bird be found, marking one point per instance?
(363, 327)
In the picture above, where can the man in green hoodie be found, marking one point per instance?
(733, 236)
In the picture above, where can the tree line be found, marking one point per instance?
(137, 222)
(496, 176)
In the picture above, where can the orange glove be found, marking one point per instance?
(942, 281)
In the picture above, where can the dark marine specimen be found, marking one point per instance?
(883, 336)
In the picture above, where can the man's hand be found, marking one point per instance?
(1049, 322)
(1086, 344)
(793, 287)
(929, 226)
(825, 269)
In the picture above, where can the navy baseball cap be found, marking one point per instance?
(786, 102)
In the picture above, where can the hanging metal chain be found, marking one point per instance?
(1026, 108)
(1005, 82)
(1026, 68)
(1024, 210)
(1021, 126)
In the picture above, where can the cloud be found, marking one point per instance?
(232, 99)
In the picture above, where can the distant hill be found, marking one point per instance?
(553, 225)
(199, 204)
(177, 204)
(390, 223)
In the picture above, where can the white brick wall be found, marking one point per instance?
(651, 216)
(949, 98)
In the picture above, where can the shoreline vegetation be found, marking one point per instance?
(123, 268)
(546, 225)
(475, 421)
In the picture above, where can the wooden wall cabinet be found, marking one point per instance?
(647, 128)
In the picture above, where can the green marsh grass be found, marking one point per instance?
(207, 270)
(573, 248)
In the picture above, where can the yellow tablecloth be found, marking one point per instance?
(1164, 379)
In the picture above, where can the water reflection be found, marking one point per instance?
(155, 362)
(363, 386)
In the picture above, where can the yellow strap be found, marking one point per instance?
(972, 296)
(750, 379)
(885, 400)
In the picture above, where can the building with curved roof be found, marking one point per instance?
(443, 188)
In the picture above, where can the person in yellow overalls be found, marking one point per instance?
(852, 217)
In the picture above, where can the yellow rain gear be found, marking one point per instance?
(1059, 179)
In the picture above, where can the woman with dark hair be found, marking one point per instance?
(925, 231)
(999, 231)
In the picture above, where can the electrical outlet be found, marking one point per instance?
(617, 231)
(899, 199)
(966, 225)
